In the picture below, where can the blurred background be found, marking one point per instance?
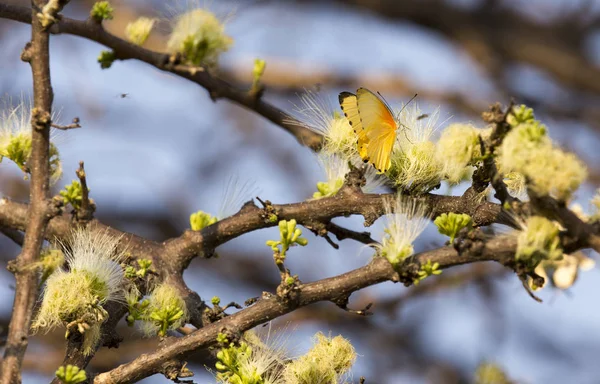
(156, 149)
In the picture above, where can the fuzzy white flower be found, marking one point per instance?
(199, 36)
(328, 361)
(97, 253)
(336, 168)
(75, 297)
(455, 150)
(526, 149)
(319, 115)
(267, 359)
(522, 144)
(538, 240)
(235, 194)
(406, 218)
(15, 139)
(139, 30)
(415, 166)
(14, 122)
(555, 173)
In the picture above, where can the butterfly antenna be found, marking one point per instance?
(385, 101)
(409, 101)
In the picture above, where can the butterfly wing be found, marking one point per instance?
(349, 105)
(380, 148)
(379, 126)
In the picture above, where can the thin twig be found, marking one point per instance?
(74, 125)
(86, 211)
(342, 233)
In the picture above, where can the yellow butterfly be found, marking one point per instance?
(374, 124)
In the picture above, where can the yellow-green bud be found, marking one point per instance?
(70, 374)
(102, 10)
(201, 220)
(106, 59)
(450, 224)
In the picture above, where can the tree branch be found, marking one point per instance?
(270, 306)
(16, 236)
(370, 206)
(37, 54)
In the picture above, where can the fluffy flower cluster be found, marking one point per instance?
(415, 165)
(456, 149)
(339, 147)
(75, 297)
(326, 362)
(15, 140)
(418, 163)
(527, 153)
(538, 240)
(252, 361)
(527, 157)
(406, 219)
(199, 36)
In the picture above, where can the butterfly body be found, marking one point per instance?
(374, 124)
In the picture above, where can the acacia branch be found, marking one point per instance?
(217, 88)
(26, 288)
(345, 203)
(178, 252)
(172, 257)
(271, 306)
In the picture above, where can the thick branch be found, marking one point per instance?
(203, 243)
(179, 251)
(270, 306)
(37, 53)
